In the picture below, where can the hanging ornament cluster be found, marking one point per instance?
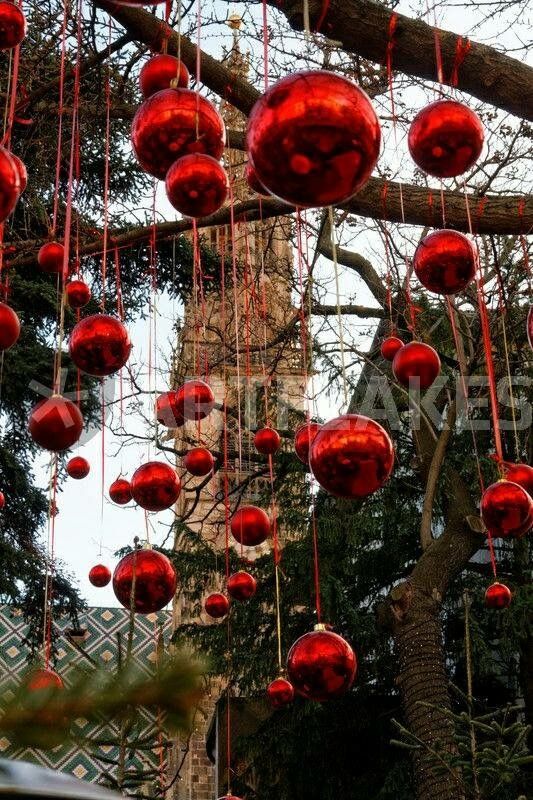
(197, 185)
(160, 72)
(144, 580)
(321, 665)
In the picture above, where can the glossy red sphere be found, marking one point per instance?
(507, 509)
(197, 185)
(280, 693)
(352, 456)
(199, 461)
(267, 441)
(77, 294)
(99, 345)
(120, 491)
(304, 436)
(9, 327)
(167, 412)
(9, 182)
(155, 581)
(530, 327)
(2, 500)
(42, 679)
(155, 486)
(241, 585)
(321, 665)
(313, 138)
(50, 257)
(174, 123)
(158, 73)
(99, 575)
(445, 139)
(250, 526)
(253, 181)
(195, 400)
(445, 262)
(498, 595)
(12, 25)
(55, 423)
(216, 605)
(78, 467)
(522, 474)
(390, 346)
(416, 363)
(22, 171)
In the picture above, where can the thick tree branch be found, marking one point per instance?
(354, 310)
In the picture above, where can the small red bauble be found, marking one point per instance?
(445, 139)
(216, 605)
(9, 327)
(280, 693)
(44, 679)
(267, 441)
(2, 500)
(160, 71)
(99, 575)
(12, 25)
(250, 526)
(197, 185)
(195, 400)
(22, 171)
(198, 461)
(321, 665)
(167, 412)
(390, 346)
(498, 595)
(253, 181)
(120, 491)
(55, 423)
(99, 345)
(522, 474)
(77, 294)
(352, 456)
(530, 327)
(78, 467)
(313, 138)
(241, 585)
(506, 509)
(445, 262)
(173, 123)
(304, 436)
(416, 363)
(9, 181)
(155, 486)
(155, 581)
(50, 257)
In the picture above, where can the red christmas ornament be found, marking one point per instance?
(195, 400)
(418, 363)
(445, 262)
(241, 585)
(498, 595)
(12, 25)
(216, 605)
(173, 123)
(507, 509)
(390, 346)
(313, 138)
(55, 423)
(445, 139)
(120, 491)
(530, 326)
(267, 441)
(22, 171)
(155, 581)
(197, 185)
(253, 181)
(78, 467)
(321, 665)
(9, 327)
(9, 179)
(304, 436)
(99, 575)
(280, 693)
(167, 412)
(77, 294)
(199, 461)
(158, 73)
(50, 257)
(250, 526)
(155, 486)
(42, 679)
(522, 474)
(2, 500)
(99, 345)
(352, 456)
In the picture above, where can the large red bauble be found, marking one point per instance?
(44, 678)
(506, 509)
(253, 181)
(304, 436)
(120, 491)
(2, 500)
(198, 461)
(99, 345)
(167, 412)
(155, 486)
(498, 595)
(416, 363)
(78, 467)
(12, 25)
(445, 262)
(390, 346)
(159, 71)
(241, 585)
(250, 526)
(313, 138)
(267, 441)
(50, 257)
(155, 581)
(216, 605)
(9, 181)
(173, 123)
(9, 327)
(522, 474)
(352, 456)
(55, 423)
(530, 327)
(22, 171)
(321, 665)
(280, 693)
(197, 185)
(77, 294)
(445, 139)
(195, 400)
(99, 575)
